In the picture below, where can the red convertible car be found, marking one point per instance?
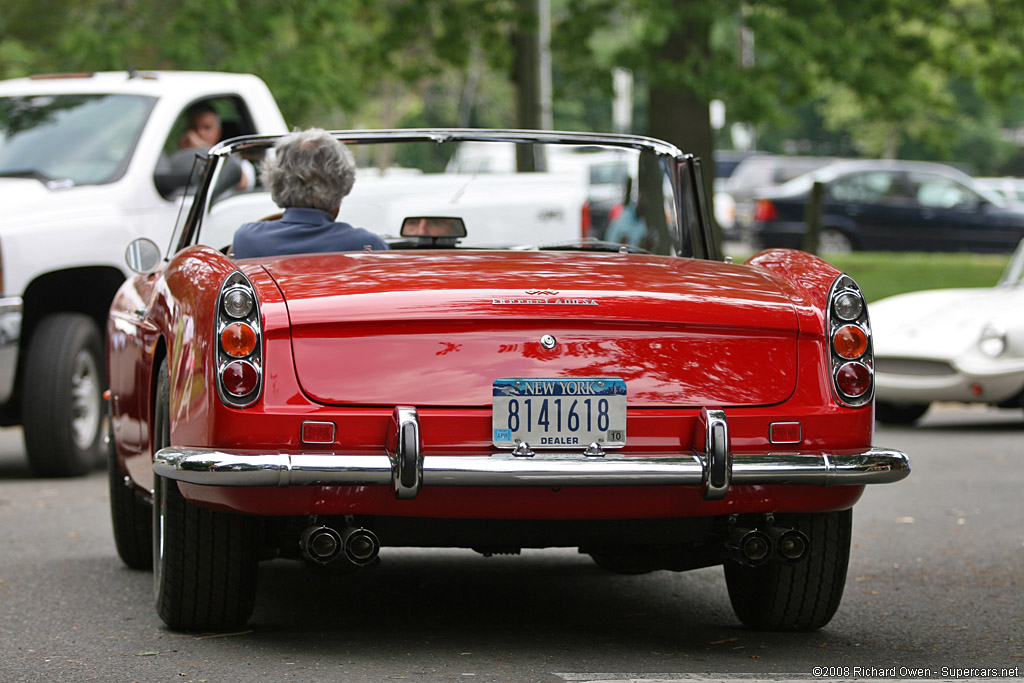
(502, 380)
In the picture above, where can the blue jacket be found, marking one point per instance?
(301, 231)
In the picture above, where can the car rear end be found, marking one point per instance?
(779, 220)
(438, 387)
(655, 411)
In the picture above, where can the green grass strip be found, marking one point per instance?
(882, 274)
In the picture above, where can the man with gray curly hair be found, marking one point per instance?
(308, 176)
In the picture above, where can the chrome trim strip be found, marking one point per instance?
(209, 466)
(440, 135)
(240, 468)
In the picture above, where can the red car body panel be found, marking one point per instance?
(592, 503)
(680, 332)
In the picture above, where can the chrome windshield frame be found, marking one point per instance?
(669, 156)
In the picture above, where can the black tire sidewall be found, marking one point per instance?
(899, 413)
(205, 562)
(131, 519)
(47, 408)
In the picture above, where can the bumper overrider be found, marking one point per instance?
(405, 467)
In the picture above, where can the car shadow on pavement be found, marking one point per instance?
(545, 602)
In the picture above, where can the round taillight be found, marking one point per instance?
(853, 379)
(850, 341)
(238, 302)
(238, 339)
(848, 306)
(239, 377)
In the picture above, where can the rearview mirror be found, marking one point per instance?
(142, 255)
(433, 226)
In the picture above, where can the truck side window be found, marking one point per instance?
(201, 125)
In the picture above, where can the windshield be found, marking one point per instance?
(67, 140)
(604, 198)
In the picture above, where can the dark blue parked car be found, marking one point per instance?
(889, 206)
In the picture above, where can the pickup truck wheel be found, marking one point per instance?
(833, 241)
(899, 413)
(205, 562)
(62, 399)
(796, 597)
(132, 519)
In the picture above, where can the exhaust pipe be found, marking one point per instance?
(751, 547)
(361, 546)
(791, 545)
(321, 544)
(324, 545)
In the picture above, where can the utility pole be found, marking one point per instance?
(544, 63)
(622, 105)
(532, 76)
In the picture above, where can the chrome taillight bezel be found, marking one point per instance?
(844, 285)
(238, 282)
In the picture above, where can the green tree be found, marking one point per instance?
(321, 58)
(884, 72)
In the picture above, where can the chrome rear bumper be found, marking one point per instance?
(406, 468)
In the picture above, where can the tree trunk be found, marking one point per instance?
(527, 81)
(678, 115)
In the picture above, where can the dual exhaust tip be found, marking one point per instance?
(754, 547)
(354, 545)
(359, 547)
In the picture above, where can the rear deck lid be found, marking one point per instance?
(437, 328)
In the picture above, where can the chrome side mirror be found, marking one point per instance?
(142, 255)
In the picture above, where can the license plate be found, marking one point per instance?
(559, 412)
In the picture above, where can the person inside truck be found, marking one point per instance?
(203, 131)
(308, 175)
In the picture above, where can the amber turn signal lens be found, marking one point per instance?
(238, 340)
(853, 379)
(850, 341)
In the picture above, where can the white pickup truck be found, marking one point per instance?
(88, 162)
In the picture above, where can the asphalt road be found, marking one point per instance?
(936, 580)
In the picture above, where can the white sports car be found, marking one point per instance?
(962, 345)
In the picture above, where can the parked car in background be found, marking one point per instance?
(644, 400)
(1010, 189)
(726, 161)
(759, 173)
(964, 345)
(889, 206)
(89, 162)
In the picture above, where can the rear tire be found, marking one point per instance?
(796, 597)
(205, 562)
(132, 519)
(62, 396)
(899, 413)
